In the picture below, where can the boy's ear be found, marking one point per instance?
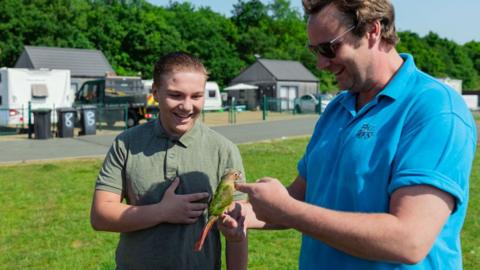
(155, 92)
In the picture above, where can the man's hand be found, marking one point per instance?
(181, 209)
(269, 198)
(232, 223)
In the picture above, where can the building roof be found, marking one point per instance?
(271, 71)
(284, 70)
(80, 62)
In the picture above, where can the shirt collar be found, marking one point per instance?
(185, 140)
(393, 89)
(397, 84)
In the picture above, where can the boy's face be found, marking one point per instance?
(180, 99)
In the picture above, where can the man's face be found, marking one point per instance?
(180, 99)
(351, 62)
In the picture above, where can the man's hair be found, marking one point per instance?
(361, 13)
(177, 62)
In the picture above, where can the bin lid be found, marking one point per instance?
(67, 109)
(86, 107)
(42, 110)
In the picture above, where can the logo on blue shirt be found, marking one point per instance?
(366, 131)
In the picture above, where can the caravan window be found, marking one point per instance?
(211, 93)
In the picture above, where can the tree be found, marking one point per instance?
(211, 37)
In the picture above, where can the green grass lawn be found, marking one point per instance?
(44, 218)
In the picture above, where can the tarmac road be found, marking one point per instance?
(96, 146)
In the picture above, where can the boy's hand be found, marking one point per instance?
(181, 209)
(232, 223)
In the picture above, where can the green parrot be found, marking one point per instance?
(222, 198)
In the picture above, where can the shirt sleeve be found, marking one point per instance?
(111, 176)
(437, 151)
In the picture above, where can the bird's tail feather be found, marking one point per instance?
(203, 236)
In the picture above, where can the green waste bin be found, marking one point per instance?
(42, 123)
(66, 122)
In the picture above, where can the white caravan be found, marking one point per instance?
(213, 100)
(44, 88)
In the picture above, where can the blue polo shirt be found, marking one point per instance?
(417, 130)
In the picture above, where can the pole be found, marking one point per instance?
(264, 111)
(23, 116)
(319, 104)
(30, 126)
(234, 111)
(52, 117)
(126, 116)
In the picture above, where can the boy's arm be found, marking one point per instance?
(108, 213)
(237, 254)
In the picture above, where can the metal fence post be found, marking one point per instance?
(30, 126)
(100, 117)
(53, 128)
(234, 111)
(264, 111)
(23, 116)
(295, 101)
(319, 104)
(126, 116)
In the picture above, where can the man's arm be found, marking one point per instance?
(108, 213)
(406, 234)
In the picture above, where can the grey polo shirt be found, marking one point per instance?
(141, 165)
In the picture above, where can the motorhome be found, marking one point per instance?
(43, 88)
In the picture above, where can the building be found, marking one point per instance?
(279, 80)
(84, 64)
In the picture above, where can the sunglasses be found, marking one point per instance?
(327, 49)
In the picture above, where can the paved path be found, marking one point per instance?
(26, 150)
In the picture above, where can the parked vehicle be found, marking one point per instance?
(312, 103)
(213, 99)
(44, 88)
(117, 98)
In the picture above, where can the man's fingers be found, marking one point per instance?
(265, 180)
(245, 188)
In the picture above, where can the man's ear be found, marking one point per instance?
(374, 32)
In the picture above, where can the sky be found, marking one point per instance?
(457, 20)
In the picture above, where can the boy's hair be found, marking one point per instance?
(361, 13)
(176, 62)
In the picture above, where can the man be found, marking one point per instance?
(166, 170)
(383, 183)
